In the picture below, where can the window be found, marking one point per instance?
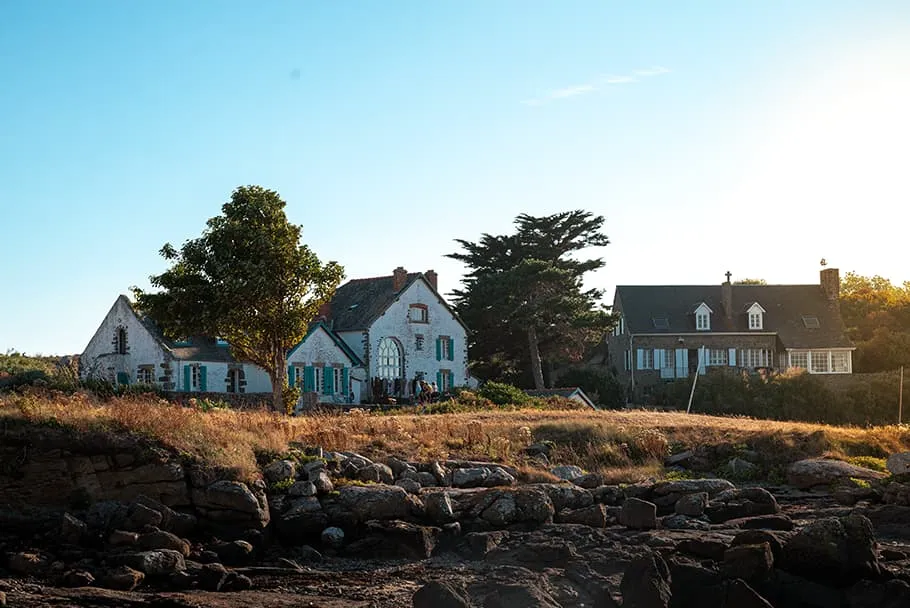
(820, 362)
(702, 321)
(195, 377)
(755, 320)
(418, 342)
(445, 350)
(717, 356)
(811, 322)
(340, 388)
(645, 358)
(669, 358)
(319, 376)
(661, 323)
(627, 363)
(840, 362)
(389, 356)
(417, 313)
(799, 360)
(755, 357)
(233, 381)
(145, 375)
(120, 341)
(445, 380)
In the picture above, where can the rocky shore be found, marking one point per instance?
(105, 522)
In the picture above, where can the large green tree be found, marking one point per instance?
(523, 295)
(247, 279)
(877, 315)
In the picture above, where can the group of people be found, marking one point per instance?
(424, 392)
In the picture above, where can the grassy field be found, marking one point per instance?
(624, 445)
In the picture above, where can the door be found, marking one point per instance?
(693, 361)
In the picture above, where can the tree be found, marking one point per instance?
(877, 316)
(523, 295)
(248, 280)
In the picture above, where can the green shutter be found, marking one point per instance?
(291, 378)
(439, 349)
(328, 383)
(451, 353)
(309, 379)
(202, 382)
(186, 378)
(439, 381)
(345, 379)
(123, 378)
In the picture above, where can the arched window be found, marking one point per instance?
(121, 341)
(389, 359)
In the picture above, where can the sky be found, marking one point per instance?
(757, 137)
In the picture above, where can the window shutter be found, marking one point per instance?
(682, 363)
(451, 354)
(438, 349)
(292, 381)
(328, 383)
(702, 355)
(439, 381)
(186, 378)
(123, 378)
(345, 381)
(309, 379)
(732, 357)
(202, 379)
(639, 358)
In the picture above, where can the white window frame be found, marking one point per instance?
(717, 356)
(755, 320)
(445, 376)
(804, 364)
(318, 379)
(338, 377)
(753, 358)
(195, 377)
(647, 358)
(702, 321)
(822, 361)
(145, 375)
(418, 313)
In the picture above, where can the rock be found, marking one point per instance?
(638, 514)
(303, 520)
(704, 548)
(212, 577)
(691, 486)
(306, 554)
(479, 544)
(683, 522)
(153, 563)
(739, 503)
(378, 502)
(232, 502)
(646, 583)
(589, 481)
(898, 464)
(692, 505)
(332, 537)
(234, 553)
(567, 496)
(676, 459)
(355, 460)
(868, 594)
(741, 595)
(502, 512)
(139, 516)
(427, 479)
(608, 495)
(395, 540)
(761, 522)
(437, 594)
(122, 578)
(181, 524)
(741, 468)
(534, 505)
(439, 507)
(302, 489)
(470, 478)
(78, 578)
(377, 472)
(788, 591)
(814, 472)
(754, 537)
(509, 595)
(72, 529)
(696, 586)
(833, 550)
(748, 562)
(568, 472)
(398, 466)
(120, 538)
(323, 482)
(280, 470)
(498, 477)
(594, 516)
(409, 485)
(893, 555)
(2, 599)
(537, 449)
(28, 564)
(439, 472)
(164, 540)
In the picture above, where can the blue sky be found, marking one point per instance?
(755, 137)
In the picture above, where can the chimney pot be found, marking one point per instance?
(399, 278)
(432, 278)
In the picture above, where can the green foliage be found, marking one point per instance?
(602, 388)
(523, 295)
(877, 316)
(282, 486)
(869, 462)
(290, 396)
(680, 474)
(248, 280)
(503, 394)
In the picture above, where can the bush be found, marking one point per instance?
(503, 394)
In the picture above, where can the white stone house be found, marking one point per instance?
(323, 364)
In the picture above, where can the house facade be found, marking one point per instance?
(371, 342)
(666, 332)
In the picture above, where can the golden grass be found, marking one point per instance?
(600, 441)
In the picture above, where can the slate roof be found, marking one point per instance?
(785, 306)
(359, 302)
(335, 338)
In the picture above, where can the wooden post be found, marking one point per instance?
(900, 398)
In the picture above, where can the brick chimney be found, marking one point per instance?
(830, 282)
(431, 278)
(325, 311)
(726, 296)
(399, 278)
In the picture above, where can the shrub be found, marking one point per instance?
(869, 462)
(503, 394)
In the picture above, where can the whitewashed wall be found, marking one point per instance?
(257, 380)
(356, 340)
(394, 323)
(320, 349)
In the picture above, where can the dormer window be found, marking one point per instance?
(756, 316)
(703, 317)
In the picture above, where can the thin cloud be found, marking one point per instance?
(593, 86)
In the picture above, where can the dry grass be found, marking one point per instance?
(624, 445)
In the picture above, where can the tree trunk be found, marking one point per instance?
(279, 375)
(534, 347)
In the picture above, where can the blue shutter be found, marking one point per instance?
(202, 382)
(186, 378)
(123, 378)
(292, 381)
(702, 355)
(309, 379)
(682, 363)
(328, 383)
(639, 359)
(451, 353)
(731, 357)
(439, 349)
(345, 381)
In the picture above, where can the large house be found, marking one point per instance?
(667, 332)
(371, 342)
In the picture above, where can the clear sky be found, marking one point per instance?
(751, 136)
